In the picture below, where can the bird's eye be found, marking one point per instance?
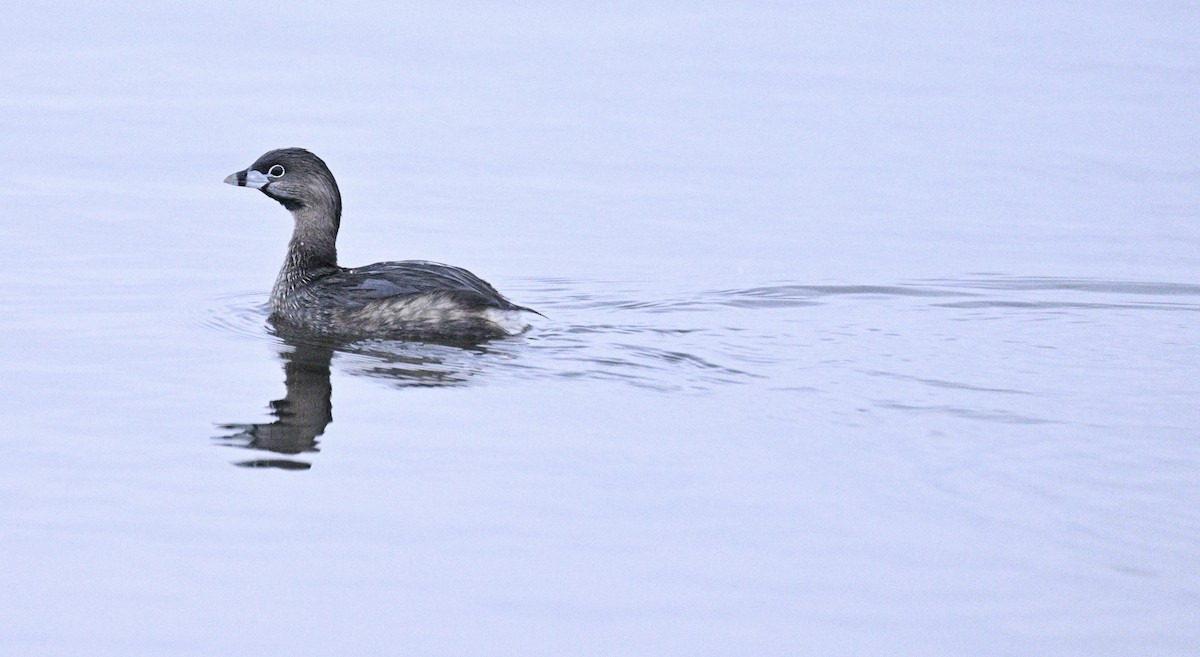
(276, 171)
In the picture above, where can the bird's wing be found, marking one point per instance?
(385, 280)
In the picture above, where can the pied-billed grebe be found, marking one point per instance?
(412, 298)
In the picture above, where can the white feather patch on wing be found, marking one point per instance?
(512, 322)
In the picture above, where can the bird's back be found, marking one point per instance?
(411, 298)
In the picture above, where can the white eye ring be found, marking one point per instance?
(276, 171)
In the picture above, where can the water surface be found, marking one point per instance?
(868, 331)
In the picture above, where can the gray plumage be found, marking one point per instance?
(408, 299)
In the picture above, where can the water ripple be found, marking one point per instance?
(996, 415)
(242, 315)
(610, 332)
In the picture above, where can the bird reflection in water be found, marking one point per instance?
(307, 408)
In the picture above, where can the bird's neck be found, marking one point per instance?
(312, 251)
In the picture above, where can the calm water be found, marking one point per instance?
(869, 331)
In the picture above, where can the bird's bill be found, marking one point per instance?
(248, 178)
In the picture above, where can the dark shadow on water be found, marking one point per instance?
(306, 409)
(300, 417)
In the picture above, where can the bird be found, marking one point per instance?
(409, 299)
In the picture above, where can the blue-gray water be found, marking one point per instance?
(871, 330)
